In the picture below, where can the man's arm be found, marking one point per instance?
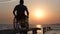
(14, 11)
(27, 12)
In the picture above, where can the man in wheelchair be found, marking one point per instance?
(20, 19)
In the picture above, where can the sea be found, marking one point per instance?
(54, 28)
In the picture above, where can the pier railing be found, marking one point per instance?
(11, 31)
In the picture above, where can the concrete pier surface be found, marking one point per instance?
(12, 31)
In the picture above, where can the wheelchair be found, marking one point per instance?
(22, 25)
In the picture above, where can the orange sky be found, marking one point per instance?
(51, 9)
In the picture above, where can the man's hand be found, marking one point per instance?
(28, 16)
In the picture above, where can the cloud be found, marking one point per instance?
(6, 1)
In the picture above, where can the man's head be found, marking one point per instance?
(21, 2)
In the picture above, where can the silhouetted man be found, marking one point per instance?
(19, 13)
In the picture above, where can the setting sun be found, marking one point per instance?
(38, 13)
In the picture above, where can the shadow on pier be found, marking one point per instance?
(11, 31)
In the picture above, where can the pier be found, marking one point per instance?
(11, 31)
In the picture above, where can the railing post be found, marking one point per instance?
(44, 30)
(34, 31)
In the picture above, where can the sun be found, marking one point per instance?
(38, 13)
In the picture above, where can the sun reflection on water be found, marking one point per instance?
(39, 31)
(38, 26)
